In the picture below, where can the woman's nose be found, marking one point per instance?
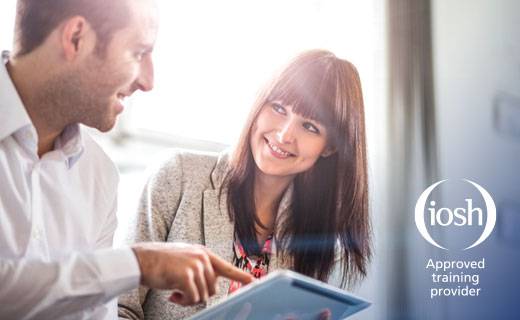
(286, 133)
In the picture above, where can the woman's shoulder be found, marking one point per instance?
(189, 164)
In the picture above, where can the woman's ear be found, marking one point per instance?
(328, 152)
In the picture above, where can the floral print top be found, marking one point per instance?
(258, 266)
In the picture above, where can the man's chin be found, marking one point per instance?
(108, 126)
(102, 126)
(105, 129)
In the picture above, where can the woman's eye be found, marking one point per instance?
(278, 108)
(310, 127)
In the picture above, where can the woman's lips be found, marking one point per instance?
(277, 151)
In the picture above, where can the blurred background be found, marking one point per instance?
(441, 82)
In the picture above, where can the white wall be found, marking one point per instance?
(7, 9)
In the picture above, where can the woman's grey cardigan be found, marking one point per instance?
(180, 203)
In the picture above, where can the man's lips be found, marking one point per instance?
(121, 97)
(120, 106)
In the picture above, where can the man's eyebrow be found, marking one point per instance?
(146, 47)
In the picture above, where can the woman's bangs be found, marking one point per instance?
(308, 96)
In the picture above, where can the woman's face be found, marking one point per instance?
(284, 143)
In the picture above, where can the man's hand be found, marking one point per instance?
(190, 270)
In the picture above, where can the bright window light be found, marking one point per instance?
(7, 12)
(212, 57)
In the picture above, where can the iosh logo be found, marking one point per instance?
(458, 217)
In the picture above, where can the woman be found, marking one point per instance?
(293, 194)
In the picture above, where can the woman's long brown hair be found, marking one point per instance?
(329, 207)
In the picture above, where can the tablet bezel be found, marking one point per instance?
(354, 303)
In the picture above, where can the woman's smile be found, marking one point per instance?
(277, 151)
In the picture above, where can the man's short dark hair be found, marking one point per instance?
(36, 19)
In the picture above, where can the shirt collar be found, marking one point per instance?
(70, 142)
(14, 116)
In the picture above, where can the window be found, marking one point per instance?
(7, 11)
(212, 57)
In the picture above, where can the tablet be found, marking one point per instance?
(284, 295)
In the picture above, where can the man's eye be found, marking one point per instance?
(279, 108)
(310, 127)
(139, 56)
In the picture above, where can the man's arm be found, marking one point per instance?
(32, 288)
(104, 240)
(47, 290)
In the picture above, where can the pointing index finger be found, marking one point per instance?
(227, 270)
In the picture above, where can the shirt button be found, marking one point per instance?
(37, 234)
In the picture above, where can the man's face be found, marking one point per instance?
(99, 85)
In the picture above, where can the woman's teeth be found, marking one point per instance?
(278, 150)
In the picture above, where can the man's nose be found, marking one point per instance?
(286, 133)
(145, 78)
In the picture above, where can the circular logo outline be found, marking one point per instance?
(491, 215)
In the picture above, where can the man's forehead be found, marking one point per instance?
(143, 22)
(144, 11)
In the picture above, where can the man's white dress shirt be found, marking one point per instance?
(57, 221)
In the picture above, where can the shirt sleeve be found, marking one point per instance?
(105, 238)
(40, 289)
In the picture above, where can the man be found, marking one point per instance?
(73, 63)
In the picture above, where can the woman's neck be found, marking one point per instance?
(268, 191)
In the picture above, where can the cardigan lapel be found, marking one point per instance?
(218, 235)
(218, 230)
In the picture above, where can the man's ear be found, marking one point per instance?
(74, 36)
(328, 152)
